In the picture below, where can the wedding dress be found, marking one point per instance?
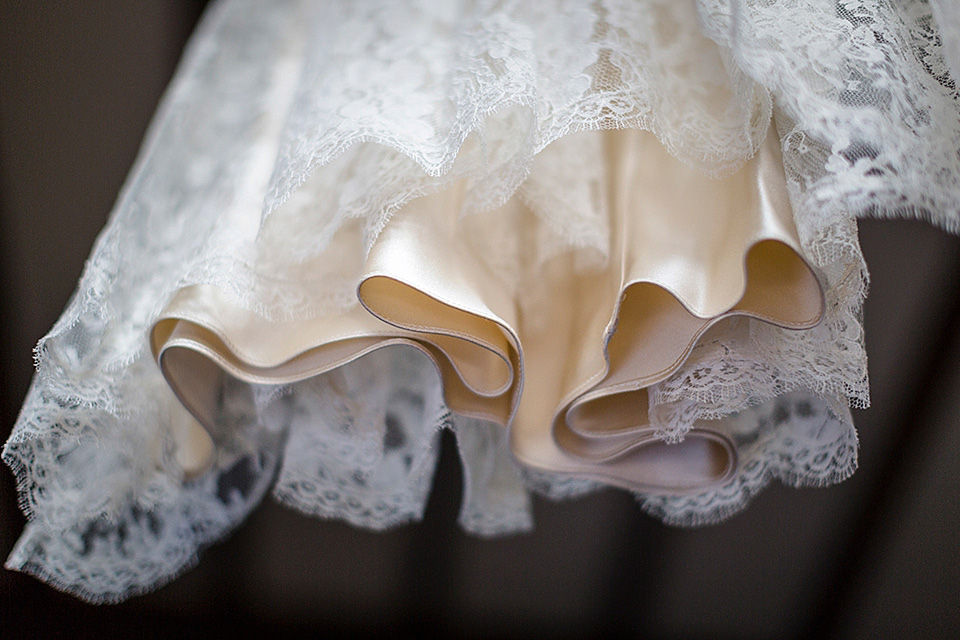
(604, 243)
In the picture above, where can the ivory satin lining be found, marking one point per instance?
(688, 253)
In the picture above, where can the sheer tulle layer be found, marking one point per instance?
(417, 206)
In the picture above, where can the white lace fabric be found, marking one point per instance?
(328, 118)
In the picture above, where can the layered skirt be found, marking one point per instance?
(604, 243)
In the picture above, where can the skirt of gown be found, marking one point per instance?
(605, 243)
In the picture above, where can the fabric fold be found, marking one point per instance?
(614, 242)
(693, 252)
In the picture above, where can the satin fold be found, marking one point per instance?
(693, 252)
(568, 377)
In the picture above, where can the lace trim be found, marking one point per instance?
(379, 103)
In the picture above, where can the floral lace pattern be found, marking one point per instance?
(322, 116)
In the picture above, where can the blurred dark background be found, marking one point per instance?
(877, 556)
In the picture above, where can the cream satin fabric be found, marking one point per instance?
(693, 252)
(687, 253)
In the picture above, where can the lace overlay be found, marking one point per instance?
(296, 131)
(796, 438)
(106, 523)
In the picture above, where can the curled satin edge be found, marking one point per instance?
(703, 251)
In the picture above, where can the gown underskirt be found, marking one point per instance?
(604, 243)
